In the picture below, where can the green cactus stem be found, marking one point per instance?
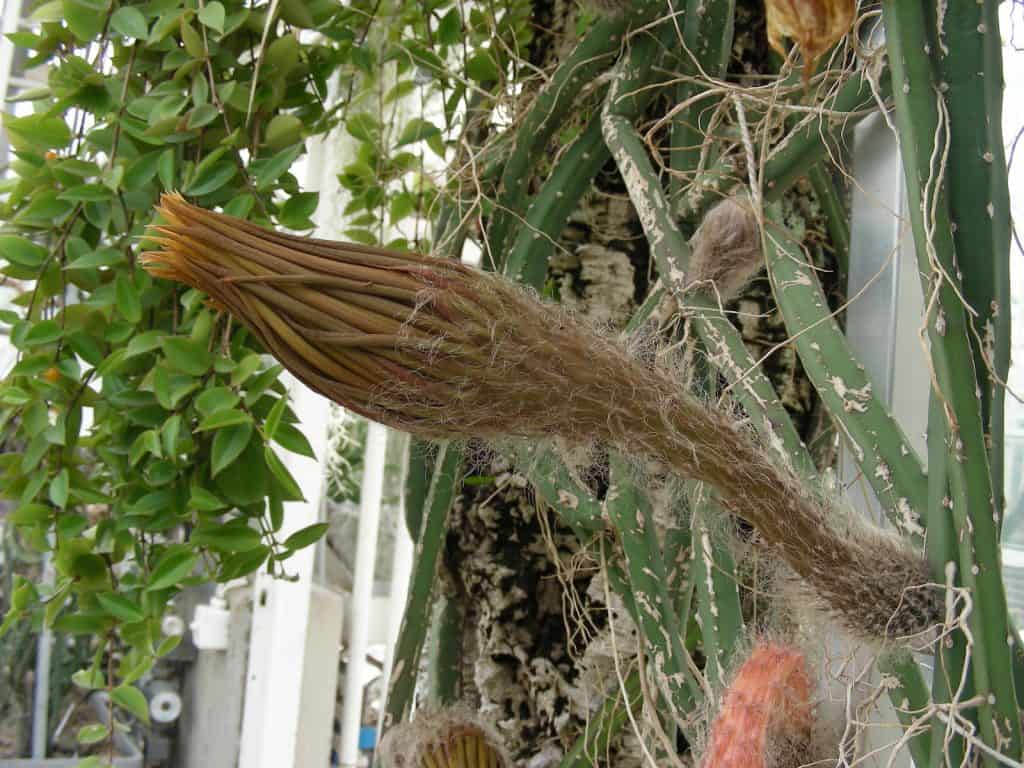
(715, 583)
(724, 344)
(549, 111)
(882, 451)
(630, 513)
(921, 120)
(427, 558)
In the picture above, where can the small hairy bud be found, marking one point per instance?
(446, 738)
(440, 350)
(766, 714)
(815, 25)
(726, 250)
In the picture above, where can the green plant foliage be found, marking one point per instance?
(143, 429)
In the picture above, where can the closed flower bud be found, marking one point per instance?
(726, 250)
(445, 738)
(766, 714)
(438, 349)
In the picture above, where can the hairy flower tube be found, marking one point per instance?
(438, 349)
(450, 737)
(766, 713)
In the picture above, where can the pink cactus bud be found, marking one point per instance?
(766, 717)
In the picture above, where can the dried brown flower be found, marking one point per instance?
(815, 25)
(439, 349)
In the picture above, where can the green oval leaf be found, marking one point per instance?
(291, 439)
(175, 565)
(201, 115)
(43, 332)
(59, 489)
(216, 399)
(89, 678)
(226, 418)
(290, 488)
(91, 734)
(144, 342)
(85, 193)
(85, 18)
(417, 129)
(186, 355)
(243, 563)
(212, 178)
(21, 251)
(283, 131)
(101, 257)
(127, 297)
(130, 22)
(481, 67)
(228, 443)
(306, 536)
(204, 500)
(130, 698)
(231, 537)
(120, 607)
(212, 16)
(30, 514)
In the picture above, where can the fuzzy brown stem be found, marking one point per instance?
(444, 351)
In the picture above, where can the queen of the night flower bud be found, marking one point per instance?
(398, 337)
(451, 737)
(766, 713)
(438, 349)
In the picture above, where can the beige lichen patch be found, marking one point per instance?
(854, 398)
(596, 282)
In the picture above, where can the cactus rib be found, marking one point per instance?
(921, 120)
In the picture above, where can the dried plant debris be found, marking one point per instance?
(815, 25)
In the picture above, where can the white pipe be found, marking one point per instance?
(401, 571)
(277, 719)
(41, 694)
(12, 15)
(362, 591)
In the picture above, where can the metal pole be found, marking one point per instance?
(41, 692)
(362, 591)
(401, 571)
(12, 15)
